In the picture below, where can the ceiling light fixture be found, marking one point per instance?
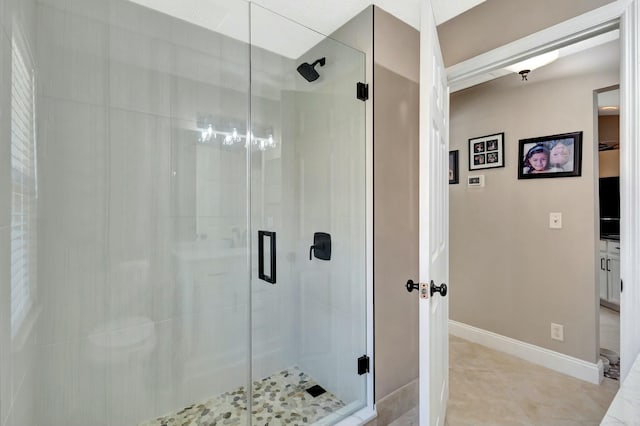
(525, 67)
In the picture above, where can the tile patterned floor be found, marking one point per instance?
(280, 399)
(410, 418)
(609, 329)
(610, 337)
(487, 387)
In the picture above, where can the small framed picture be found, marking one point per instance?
(453, 167)
(486, 152)
(550, 156)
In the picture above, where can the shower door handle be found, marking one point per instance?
(271, 278)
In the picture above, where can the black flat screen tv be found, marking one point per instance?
(609, 206)
(610, 197)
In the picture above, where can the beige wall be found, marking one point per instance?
(609, 128)
(511, 274)
(396, 230)
(609, 131)
(497, 22)
(609, 164)
(395, 201)
(392, 75)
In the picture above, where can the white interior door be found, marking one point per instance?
(434, 225)
(630, 188)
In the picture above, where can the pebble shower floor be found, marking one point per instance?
(280, 399)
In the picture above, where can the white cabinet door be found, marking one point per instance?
(613, 272)
(609, 272)
(602, 274)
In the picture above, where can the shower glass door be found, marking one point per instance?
(146, 143)
(308, 307)
(139, 311)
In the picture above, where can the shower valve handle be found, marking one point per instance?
(321, 247)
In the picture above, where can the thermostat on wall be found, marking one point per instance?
(475, 180)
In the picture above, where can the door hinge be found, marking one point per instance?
(363, 365)
(621, 286)
(362, 91)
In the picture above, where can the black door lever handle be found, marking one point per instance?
(442, 289)
(410, 286)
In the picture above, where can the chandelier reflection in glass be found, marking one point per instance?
(230, 136)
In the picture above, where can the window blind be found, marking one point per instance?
(24, 188)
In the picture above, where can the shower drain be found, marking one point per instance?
(316, 390)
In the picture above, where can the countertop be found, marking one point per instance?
(625, 408)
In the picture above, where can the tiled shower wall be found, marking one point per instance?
(17, 350)
(314, 182)
(330, 189)
(143, 228)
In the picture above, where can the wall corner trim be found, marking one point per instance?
(580, 369)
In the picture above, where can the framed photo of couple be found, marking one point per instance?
(550, 156)
(486, 152)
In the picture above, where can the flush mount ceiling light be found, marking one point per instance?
(525, 67)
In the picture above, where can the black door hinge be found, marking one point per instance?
(363, 365)
(621, 286)
(362, 91)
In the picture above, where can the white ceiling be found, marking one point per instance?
(598, 58)
(229, 17)
(601, 58)
(609, 102)
(590, 55)
(326, 16)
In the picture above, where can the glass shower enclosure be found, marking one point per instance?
(182, 232)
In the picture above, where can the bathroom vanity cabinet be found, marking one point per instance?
(609, 269)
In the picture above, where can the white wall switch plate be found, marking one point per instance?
(555, 220)
(557, 332)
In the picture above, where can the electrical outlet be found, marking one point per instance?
(557, 332)
(555, 220)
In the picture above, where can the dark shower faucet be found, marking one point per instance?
(321, 247)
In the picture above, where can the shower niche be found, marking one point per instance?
(166, 141)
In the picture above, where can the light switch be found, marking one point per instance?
(555, 220)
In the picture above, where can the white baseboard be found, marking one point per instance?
(580, 369)
(600, 370)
